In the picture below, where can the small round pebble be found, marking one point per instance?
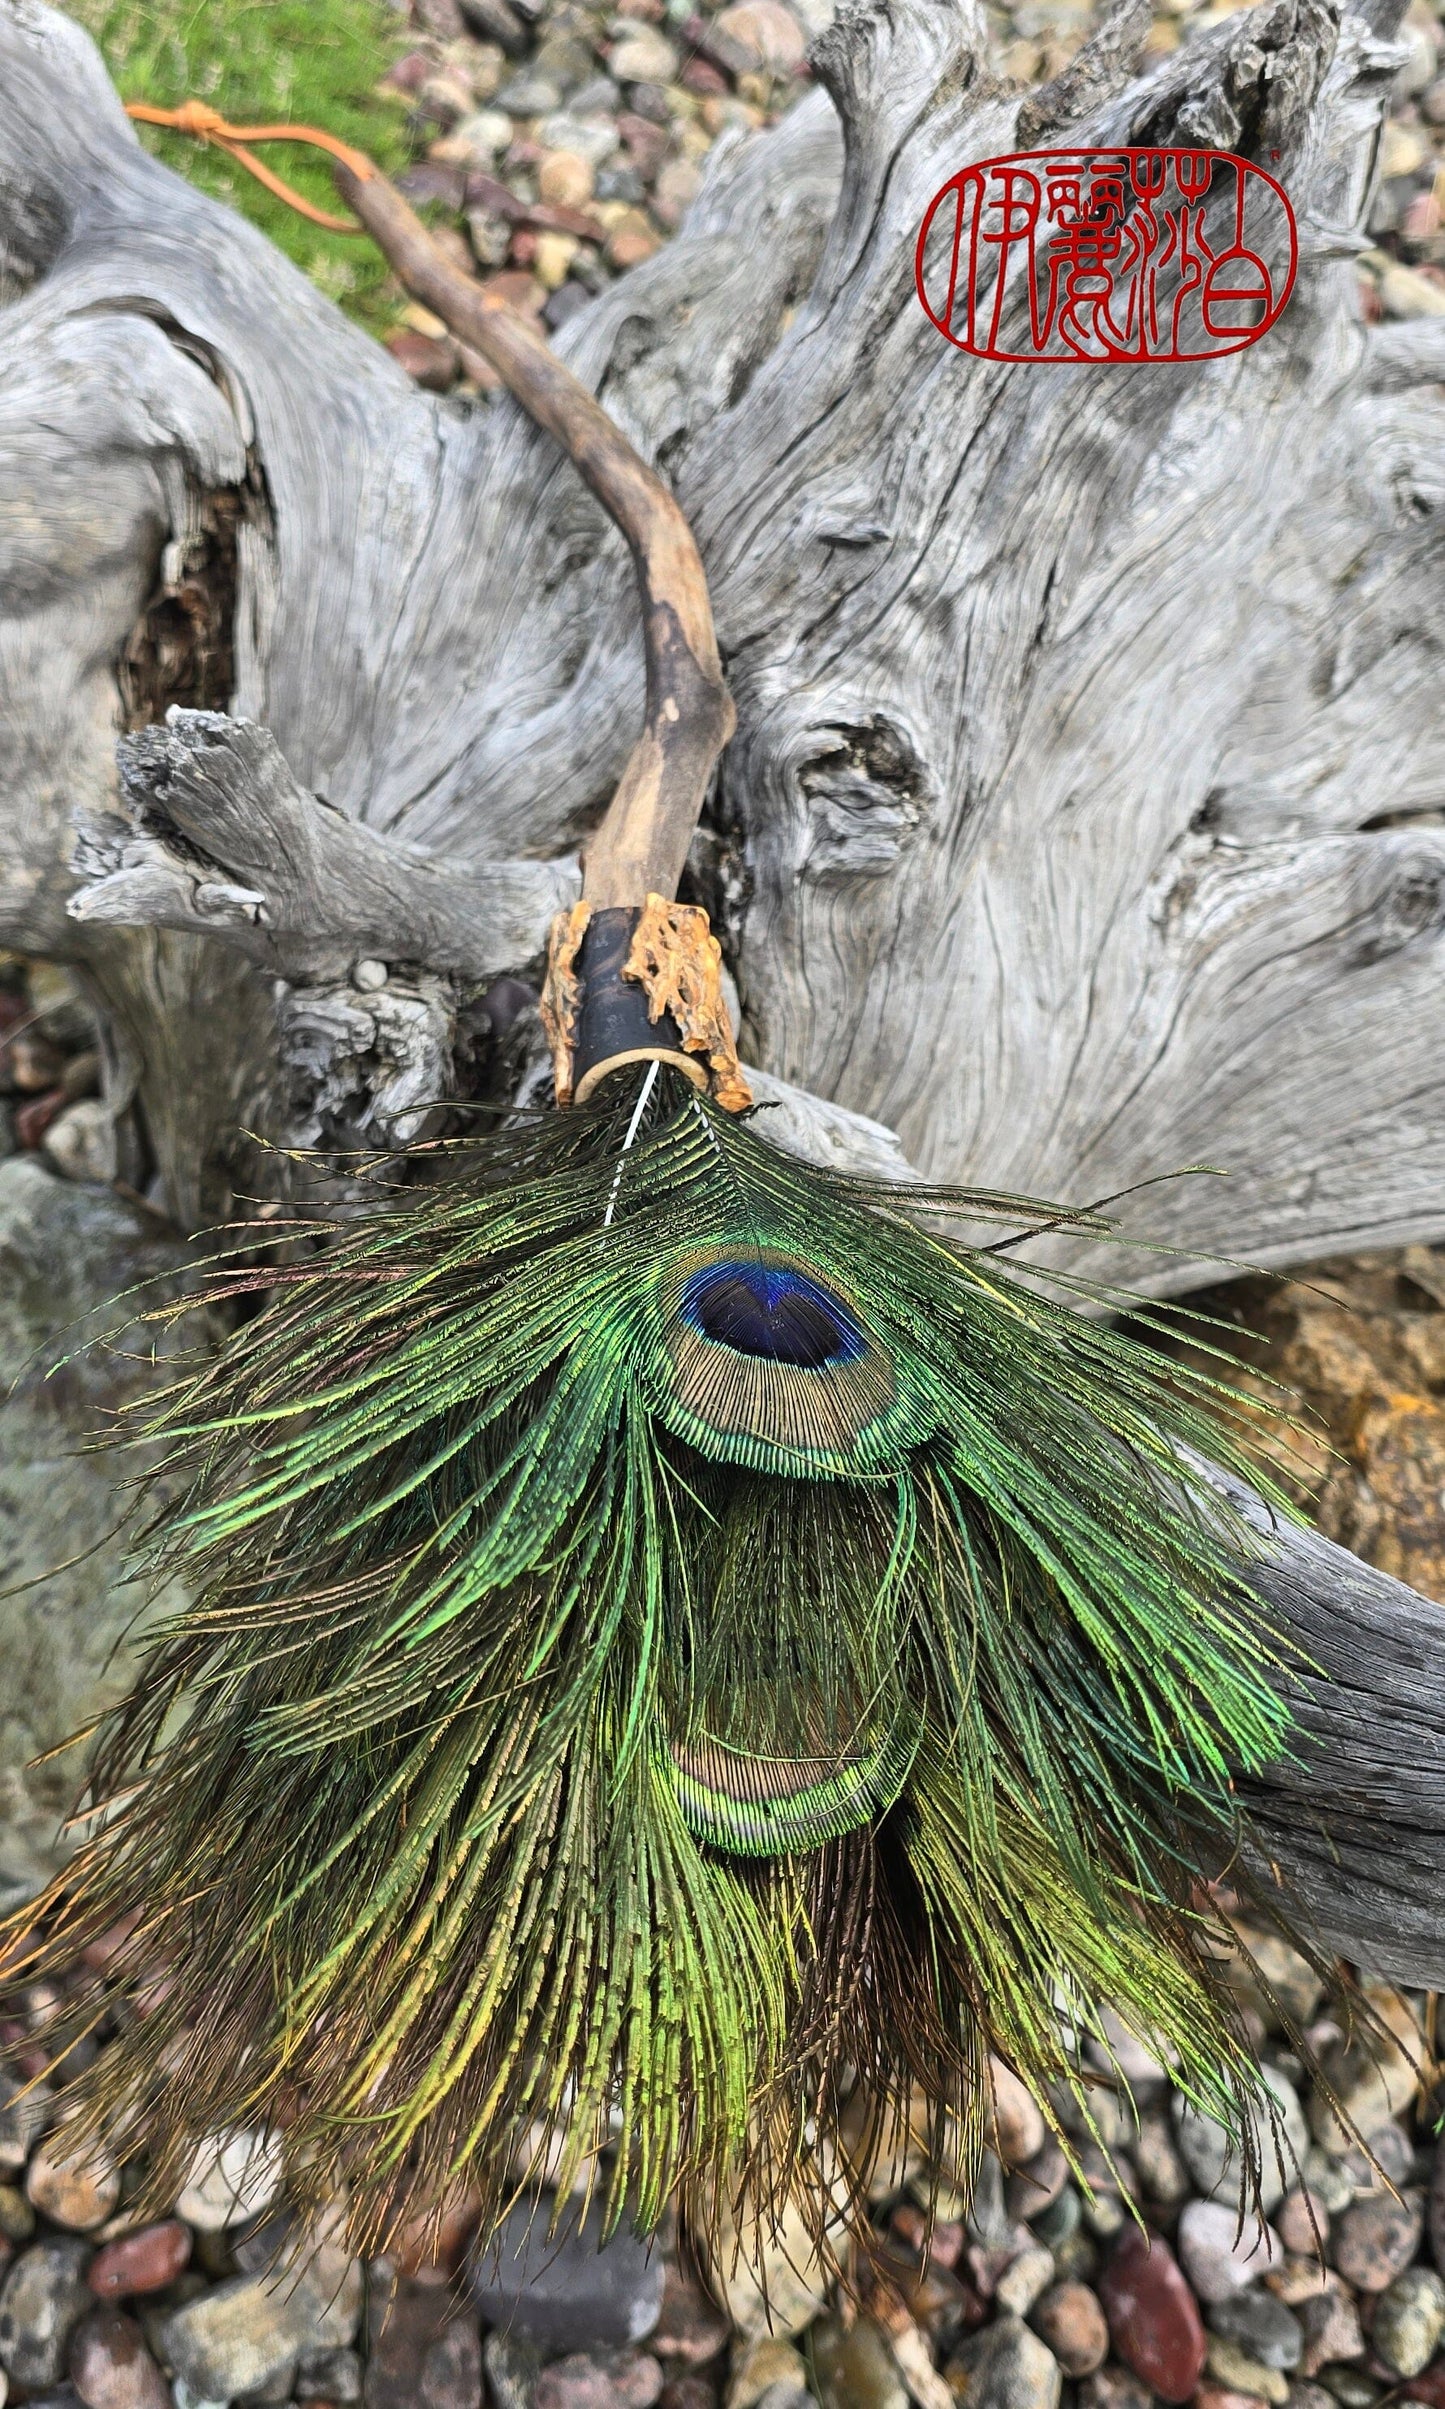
(1409, 2321)
(1004, 2366)
(769, 33)
(1019, 2131)
(44, 2299)
(233, 2176)
(1153, 2320)
(110, 2366)
(1376, 2238)
(1024, 2280)
(1303, 2221)
(554, 256)
(75, 2184)
(1331, 2327)
(1220, 2256)
(643, 57)
(565, 180)
(1262, 2325)
(145, 2261)
(1072, 2323)
(1214, 2162)
(1232, 2365)
(629, 246)
(329, 2375)
(1157, 2162)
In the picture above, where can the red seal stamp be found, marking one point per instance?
(1123, 255)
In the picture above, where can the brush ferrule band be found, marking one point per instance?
(614, 1024)
(627, 985)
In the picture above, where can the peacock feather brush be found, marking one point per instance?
(679, 1635)
(673, 1636)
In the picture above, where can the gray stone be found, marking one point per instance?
(1033, 2187)
(1389, 2160)
(1219, 2255)
(512, 2368)
(68, 1641)
(1216, 2165)
(233, 2177)
(643, 56)
(1409, 2321)
(528, 95)
(44, 2299)
(1116, 2049)
(1004, 2366)
(1025, 2280)
(276, 2389)
(1326, 2178)
(1330, 2324)
(565, 62)
(1376, 2238)
(1352, 2387)
(236, 2336)
(333, 2375)
(599, 97)
(1059, 2221)
(854, 2368)
(1162, 2173)
(1231, 2365)
(1279, 1983)
(1268, 2330)
(591, 138)
(1115, 2388)
(567, 2290)
(80, 1141)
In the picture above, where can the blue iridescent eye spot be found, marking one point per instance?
(774, 1312)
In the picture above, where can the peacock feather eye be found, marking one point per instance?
(772, 1310)
(746, 1804)
(764, 1358)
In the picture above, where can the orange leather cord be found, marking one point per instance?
(208, 125)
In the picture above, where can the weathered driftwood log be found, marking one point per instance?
(1082, 817)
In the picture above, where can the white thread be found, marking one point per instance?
(632, 1128)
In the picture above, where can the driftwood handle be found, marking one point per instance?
(632, 868)
(630, 979)
(641, 846)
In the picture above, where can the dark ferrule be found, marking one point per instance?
(612, 1020)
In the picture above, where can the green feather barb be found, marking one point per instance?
(675, 1637)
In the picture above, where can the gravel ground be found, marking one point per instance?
(1116, 2284)
(558, 147)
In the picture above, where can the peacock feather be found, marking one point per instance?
(676, 1633)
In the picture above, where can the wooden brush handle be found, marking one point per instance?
(641, 845)
(628, 932)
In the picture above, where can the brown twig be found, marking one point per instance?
(641, 846)
(642, 843)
